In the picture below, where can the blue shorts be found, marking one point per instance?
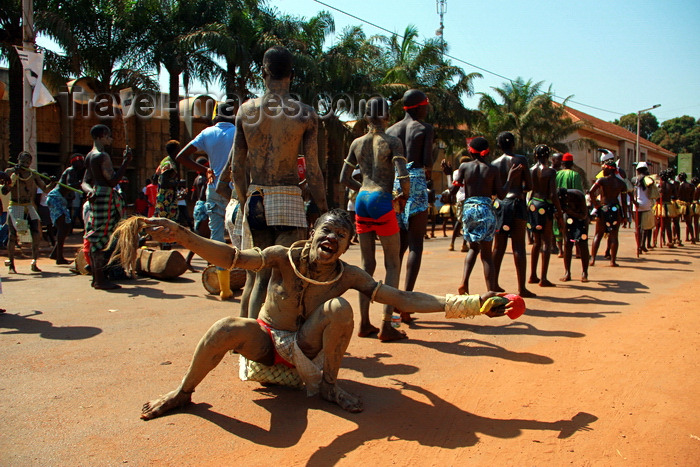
(417, 198)
(478, 219)
(373, 204)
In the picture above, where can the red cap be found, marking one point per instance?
(567, 156)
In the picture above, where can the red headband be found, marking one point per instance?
(408, 107)
(483, 153)
(77, 158)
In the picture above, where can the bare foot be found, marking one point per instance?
(560, 255)
(390, 333)
(451, 248)
(406, 317)
(166, 403)
(584, 278)
(337, 395)
(63, 261)
(499, 289)
(533, 280)
(526, 294)
(546, 283)
(614, 264)
(592, 262)
(566, 278)
(464, 249)
(34, 268)
(367, 330)
(462, 290)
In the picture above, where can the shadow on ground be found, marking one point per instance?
(422, 421)
(18, 324)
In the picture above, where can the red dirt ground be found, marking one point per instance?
(603, 373)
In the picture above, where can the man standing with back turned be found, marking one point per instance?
(263, 162)
(417, 139)
(512, 211)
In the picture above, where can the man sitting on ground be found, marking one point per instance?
(304, 314)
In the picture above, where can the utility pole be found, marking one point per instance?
(441, 9)
(639, 118)
(29, 126)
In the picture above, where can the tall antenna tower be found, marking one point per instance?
(441, 10)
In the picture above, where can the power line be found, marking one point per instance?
(453, 57)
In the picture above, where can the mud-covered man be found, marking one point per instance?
(263, 161)
(304, 314)
(379, 156)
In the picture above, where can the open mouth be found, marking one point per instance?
(327, 247)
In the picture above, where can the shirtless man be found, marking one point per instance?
(480, 181)
(573, 204)
(666, 210)
(557, 160)
(513, 212)
(417, 139)
(263, 162)
(304, 308)
(542, 209)
(22, 187)
(378, 156)
(610, 212)
(106, 204)
(685, 201)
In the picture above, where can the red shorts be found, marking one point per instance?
(278, 357)
(385, 226)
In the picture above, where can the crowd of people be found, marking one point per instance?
(292, 311)
(550, 205)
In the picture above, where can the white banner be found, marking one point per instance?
(33, 64)
(126, 96)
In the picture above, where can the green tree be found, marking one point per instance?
(409, 64)
(529, 113)
(648, 124)
(679, 135)
(11, 35)
(101, 39)
(177, 36)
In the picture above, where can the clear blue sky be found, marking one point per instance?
(618, 55)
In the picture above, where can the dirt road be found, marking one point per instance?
(603, 373)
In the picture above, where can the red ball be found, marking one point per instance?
(518, 306)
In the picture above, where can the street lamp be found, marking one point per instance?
(639, 116)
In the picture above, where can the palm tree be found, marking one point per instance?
(409, 64)
(100, 39)
(177, 38)
(527, 112)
